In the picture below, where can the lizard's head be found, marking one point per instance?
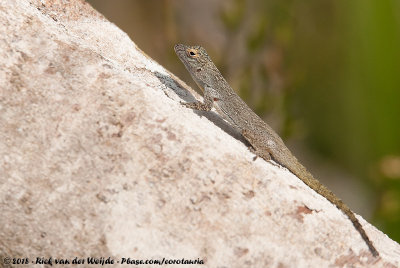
(193, 57)
(198, 63)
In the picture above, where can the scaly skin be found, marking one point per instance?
(265, 142)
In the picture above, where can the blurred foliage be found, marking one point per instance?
(323, 70)
(341, 62)
(234, 16)
(372, 95)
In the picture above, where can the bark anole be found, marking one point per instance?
(263, 139)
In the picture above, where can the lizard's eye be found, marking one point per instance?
(192, 53)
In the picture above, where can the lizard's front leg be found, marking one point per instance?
(202, 106)
(198, 105)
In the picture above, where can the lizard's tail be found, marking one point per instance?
(314, 184)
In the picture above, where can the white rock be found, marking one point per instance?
(99, 159)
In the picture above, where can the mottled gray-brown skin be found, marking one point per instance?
(265, 142)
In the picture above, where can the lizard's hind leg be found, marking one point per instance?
(261, 153)
(252, 150)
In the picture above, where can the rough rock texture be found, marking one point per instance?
(99, 159)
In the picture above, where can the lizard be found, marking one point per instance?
(264, 141)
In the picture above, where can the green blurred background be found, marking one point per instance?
(323, 73)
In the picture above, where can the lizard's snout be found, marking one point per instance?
(179, 47)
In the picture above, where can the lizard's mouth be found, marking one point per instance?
(180, 51)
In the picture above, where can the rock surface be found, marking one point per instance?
(99, 159)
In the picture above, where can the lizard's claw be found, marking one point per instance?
(188, 104)
(197, 105)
